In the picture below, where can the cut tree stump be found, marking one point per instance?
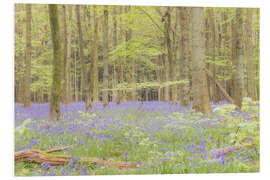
(39, 156)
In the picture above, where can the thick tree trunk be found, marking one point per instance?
(200, 94)
(28, 49)
(238, 59)
(250, 61)
(57, 63)
(185, 55)
(105, 56)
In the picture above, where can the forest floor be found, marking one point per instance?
(159, 137)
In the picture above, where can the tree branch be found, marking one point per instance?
(148, 15)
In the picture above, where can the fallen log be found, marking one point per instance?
(226, 95)
(58, 149)
(38, 156)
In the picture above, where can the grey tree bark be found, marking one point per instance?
(56, 90)
(28, 54)
(105, 56)
(201, 101)
(185, 55)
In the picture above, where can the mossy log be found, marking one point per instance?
(39, 156)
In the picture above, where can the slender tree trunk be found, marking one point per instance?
(20, 87)
(105, 56)
(118, 64)
(65, 57)
(166, 78)
(69, 57)
(84, 79)
(201, 100)
(75, 78)
(57, 63)
(185, 55)
(238, 59)
(170, 57)
(212, 25)
(91, 49)
(129, 69)
(225, 52)
(27, 75)
(158, 73)
(218, 70)
(250, 62)
(95, 59)
(115, 75)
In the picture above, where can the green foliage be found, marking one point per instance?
(138, 86)
(23, 130)
(142, 49)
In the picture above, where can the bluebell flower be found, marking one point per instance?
(45, 165)
(126, 155)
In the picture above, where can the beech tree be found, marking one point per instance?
(201, 101)
(28, 49)
(105, 56)
(238, 58)
(95, 58)
(185, 55)
(57, 63)
(84, 81)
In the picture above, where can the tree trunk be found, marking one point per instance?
(238, 58)
(65, 57)
(200, 94)
(27, 75)
(95, 59)
(69, 57)
(250, 62)
(57, 63)
(257, 42)
(118, 67)
(185, 55)
(129, 61)
(212, 25)
(170, 57)
(105, 56)
(166, 78)
(219, 69)
(84, 81)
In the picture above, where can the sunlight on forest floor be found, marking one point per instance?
(160, 137)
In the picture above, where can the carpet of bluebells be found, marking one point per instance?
(162, 138)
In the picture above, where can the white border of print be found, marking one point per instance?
(7, 82)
